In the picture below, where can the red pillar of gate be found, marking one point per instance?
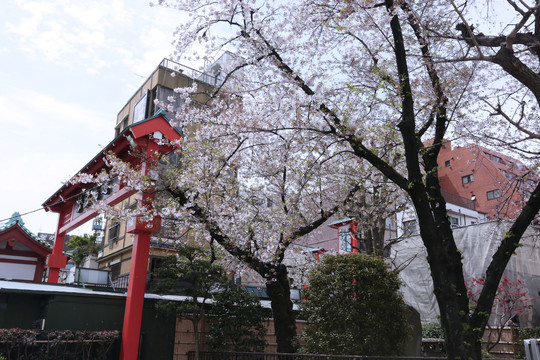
(144, 134)
(56, 260)
(135, 296)
(142, 230)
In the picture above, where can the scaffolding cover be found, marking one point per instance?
(478, 243)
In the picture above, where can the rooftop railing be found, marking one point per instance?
(205, 77)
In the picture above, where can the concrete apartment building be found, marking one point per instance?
(115, 255)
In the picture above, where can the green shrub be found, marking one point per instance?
(238, 321)
(353, 307)
(432, 331)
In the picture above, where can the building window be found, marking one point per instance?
(467, 179)
(125, 122)
(113, 234)
(497, 159)
(140, 110)
(167, 97)
(454, 222)
(447, 163)
(115, 271)
(493, 194)
(409, 227)
(390, 223)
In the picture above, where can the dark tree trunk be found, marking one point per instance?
(278, 290)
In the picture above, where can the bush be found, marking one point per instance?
(432, 331)
(57, 344)
(353, 307)
(238, 321)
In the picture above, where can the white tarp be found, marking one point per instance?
(478, 243)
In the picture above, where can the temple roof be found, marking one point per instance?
(16, 221)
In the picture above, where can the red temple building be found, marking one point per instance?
(22, 255)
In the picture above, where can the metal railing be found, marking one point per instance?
(229, 355)
(121, 282)
(206, 77)
(207, 355)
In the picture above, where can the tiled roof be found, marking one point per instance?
(16, 219)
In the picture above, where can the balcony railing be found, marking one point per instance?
(206, 77)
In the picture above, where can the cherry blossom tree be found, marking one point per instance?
(252, 194)
(506, 45)
(354, 82)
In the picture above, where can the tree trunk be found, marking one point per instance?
(278, 290)
(462, 340)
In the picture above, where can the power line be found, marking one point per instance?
(21, 215)
(95, 187)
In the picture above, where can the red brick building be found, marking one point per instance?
(498, 184)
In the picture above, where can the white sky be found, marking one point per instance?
(67, 68)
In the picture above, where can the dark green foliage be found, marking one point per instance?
(353, 308)
(238, 320)
(199, 277)
(82, 246)
(524, 334)
(432, 331)
(191, 273)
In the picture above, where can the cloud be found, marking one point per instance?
(69, 33)
(45, 142)
(54, 48)
(36, 110)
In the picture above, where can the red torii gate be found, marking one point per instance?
(68, 202)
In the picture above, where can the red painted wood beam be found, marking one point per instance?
(112, 200)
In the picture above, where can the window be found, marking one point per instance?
(115, 271)
(447, 163)
(493, 194)
(467, 179)
(140, 111)
(113, 234)
(167, 97)
(409, 227)
(390, 223)
(125, 122)
(454, 222)
(497, 159)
